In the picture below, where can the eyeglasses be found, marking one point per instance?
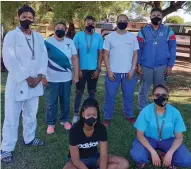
(161, 95)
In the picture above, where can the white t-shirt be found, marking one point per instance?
(60, 55)
(121, 48)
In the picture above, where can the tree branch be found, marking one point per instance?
(174, 6)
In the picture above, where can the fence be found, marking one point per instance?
(183, 44)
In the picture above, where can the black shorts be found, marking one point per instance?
(90, 162)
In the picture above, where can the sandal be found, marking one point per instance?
(36, 142)
(6, 157)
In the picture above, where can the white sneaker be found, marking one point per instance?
(75, 120)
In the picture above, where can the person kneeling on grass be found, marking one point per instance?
(159, 127)
(85, 136)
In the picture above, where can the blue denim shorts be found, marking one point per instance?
(90, 162)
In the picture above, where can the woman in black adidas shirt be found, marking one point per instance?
(84, 137)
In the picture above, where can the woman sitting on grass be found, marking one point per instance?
(159, 127)
(84, 138)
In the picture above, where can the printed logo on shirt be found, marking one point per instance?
(88, 145)
(128, 43)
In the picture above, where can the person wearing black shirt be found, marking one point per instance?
(85, 136)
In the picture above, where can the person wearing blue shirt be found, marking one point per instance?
(89, 45)
(156, 56)
(160, 127)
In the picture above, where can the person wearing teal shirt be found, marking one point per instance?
(89, 45)
(160, 127)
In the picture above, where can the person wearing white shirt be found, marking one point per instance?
(25, 57)
(62, 57)
(120, 57)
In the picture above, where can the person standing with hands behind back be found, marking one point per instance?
(156, 56)
(89, 45)
(62, 55)
(120, 56)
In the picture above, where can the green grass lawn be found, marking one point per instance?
(120, 135)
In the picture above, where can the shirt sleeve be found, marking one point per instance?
(140, 39)
(179, 124)
(141, 122)
(106, 44)
(103, 133)
(76, 41)
(74, 51)
(73, 137)
(10, 60)
(100, 43)
(172, 48)
(43, 59)
(135, 44)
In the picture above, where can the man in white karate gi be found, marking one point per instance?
(25, 57)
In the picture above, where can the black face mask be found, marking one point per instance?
(60, 33)
(25, 24)
(89, 28)
(122, 25)
(90, 122)
(156, 20)
(161, 101)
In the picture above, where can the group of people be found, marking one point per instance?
(49, 67)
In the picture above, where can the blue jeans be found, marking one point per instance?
(91, 162)
(150, 76)
(80, 86)
(111, 88)
(52, 92)
(181, 157)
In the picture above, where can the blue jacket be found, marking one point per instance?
(157, 47)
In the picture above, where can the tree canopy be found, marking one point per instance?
(68, 11)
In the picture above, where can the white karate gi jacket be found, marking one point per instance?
(17, 57)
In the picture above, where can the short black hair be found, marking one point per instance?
(160, 86)
(60, 23)
(26, 8)
(156, 10)
(89, 18)
(122, 15)
(89, 103)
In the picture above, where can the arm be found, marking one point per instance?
(144, 141)
(106, 60)
(100, 59)
(103, 155)
(74, 151)
(134, 62)
(141, 40)
(172, 48)
(176, 144)
(11, 62)
(75, 63)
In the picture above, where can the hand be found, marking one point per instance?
(80, 75)
(111, 75)
(168, 71)
(44, 82)
(155, 159)
(95, 75)
(75, 79)
(167, 159)
(36, 82)
(30, 80)
(139, 70)
(130, 75)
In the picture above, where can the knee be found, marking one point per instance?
(184, 161)
(123, 164)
